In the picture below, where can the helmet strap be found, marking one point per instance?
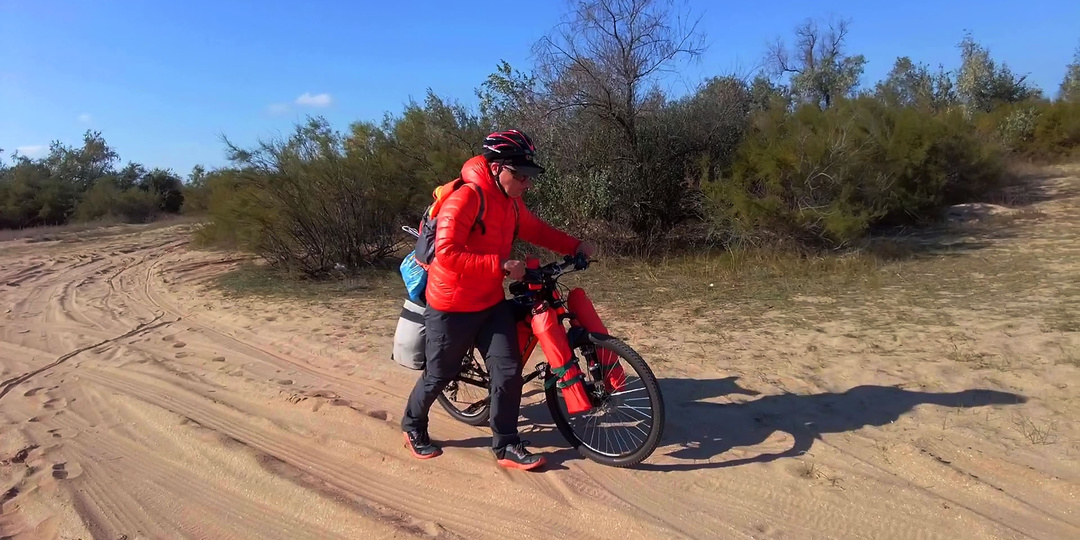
(498, 172)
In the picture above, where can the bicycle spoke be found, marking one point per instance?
(634, 423)
(635, 409)
(621, 441)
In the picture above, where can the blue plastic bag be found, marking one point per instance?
(415, 277)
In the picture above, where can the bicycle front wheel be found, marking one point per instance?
(625, 424)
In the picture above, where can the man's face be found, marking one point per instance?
(514, 183)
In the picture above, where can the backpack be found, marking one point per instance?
(425, 243)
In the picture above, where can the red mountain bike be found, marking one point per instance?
(612, 412)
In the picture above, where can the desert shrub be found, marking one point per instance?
(1055, 134)
(99, 201)
(826, 177)
(30, 196)
(307, 203)
(138, 206)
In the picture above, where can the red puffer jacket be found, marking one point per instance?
(467, 273)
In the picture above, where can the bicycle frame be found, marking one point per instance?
(528, 340)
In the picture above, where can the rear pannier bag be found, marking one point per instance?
(410, 338)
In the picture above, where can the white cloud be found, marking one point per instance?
(317, 100)
(278, 108)
(85, 118)
(32, 150)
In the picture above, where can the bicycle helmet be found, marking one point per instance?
(514, 149)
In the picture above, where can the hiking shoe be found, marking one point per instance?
(419, 443)
(516, 456)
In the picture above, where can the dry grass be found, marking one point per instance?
(1036, 432)
(908, 278)
(45, 234)
(770, 277)
(92, 229)
(254, 279)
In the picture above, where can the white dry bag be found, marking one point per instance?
(409, 338)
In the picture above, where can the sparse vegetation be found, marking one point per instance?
(807, 469)
(1036, 432)
(251, 279)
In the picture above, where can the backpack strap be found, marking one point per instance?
(479, 215)
(517, 216)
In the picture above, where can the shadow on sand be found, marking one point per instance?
(705, 430)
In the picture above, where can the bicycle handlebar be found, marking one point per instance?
(537, 275)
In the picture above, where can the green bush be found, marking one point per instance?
(30, 196)
(138, 206)
(99, 201)
(309, 203)
(1055, 134)
(106, 200)
(826, 177)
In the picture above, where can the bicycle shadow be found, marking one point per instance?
(704, 430)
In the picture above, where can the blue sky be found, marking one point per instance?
(163, 80)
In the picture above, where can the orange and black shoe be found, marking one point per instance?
(419, 443)
(516, 456)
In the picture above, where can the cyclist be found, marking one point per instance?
(466, 305)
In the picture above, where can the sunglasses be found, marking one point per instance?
(519, 176)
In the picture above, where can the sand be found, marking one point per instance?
(139, 401)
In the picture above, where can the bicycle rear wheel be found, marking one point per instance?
(624, 426)
(466, 397)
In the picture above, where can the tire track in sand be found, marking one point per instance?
(8, 385)
(403, 499)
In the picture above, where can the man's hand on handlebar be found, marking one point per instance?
(587, 248)
(515, 269)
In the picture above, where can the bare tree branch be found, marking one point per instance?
(608, 52)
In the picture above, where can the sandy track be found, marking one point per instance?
(137, 403)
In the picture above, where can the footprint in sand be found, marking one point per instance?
(182, 355)
(7, 496)
(179, 344)
(21, 456)
(66, 471)
(63, 433)
(54, 404)
(379, 415)
(33, 391)
(168, 338)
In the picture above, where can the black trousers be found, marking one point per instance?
(451, 335)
